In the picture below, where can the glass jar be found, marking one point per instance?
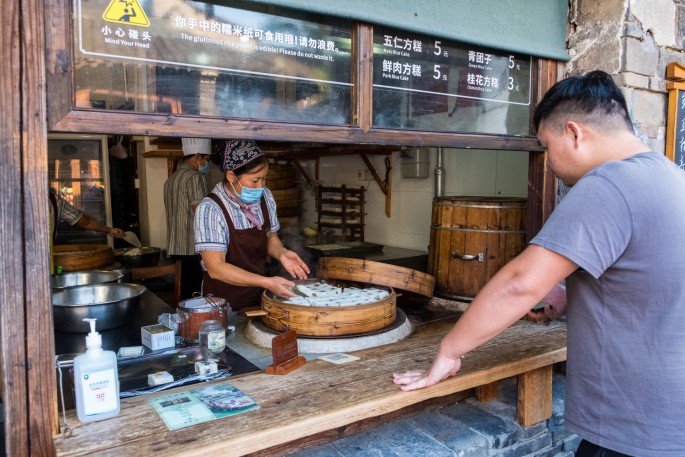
(213, 336)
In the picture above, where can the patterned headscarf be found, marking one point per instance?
(237, 153)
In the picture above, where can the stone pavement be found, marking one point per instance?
(465, 429)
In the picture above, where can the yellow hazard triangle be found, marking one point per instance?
(126, 12)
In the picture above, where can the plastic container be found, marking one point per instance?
(96, 380)
(213, 336)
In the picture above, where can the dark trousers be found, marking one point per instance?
(191, 275)
(587, 449)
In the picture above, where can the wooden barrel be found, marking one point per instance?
(471, 238)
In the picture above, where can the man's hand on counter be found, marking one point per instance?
(443, 367)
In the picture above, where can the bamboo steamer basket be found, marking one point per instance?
(347, 320)
(287, 201)
(280, 176)
(75, 257)
(329, 320)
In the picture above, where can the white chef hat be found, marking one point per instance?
(192, 146)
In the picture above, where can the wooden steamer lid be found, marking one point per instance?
(381, 274)
(75, 257)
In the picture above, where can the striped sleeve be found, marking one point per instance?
(210, 227)
(271, 208)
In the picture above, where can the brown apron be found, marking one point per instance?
(247, 249)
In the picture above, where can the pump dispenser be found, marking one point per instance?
(96, 380)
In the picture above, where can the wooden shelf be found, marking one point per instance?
(344, 204)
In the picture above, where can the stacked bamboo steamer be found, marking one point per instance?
(75, 257)
(281, 182)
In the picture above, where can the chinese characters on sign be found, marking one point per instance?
(426, 76)
(261, 65)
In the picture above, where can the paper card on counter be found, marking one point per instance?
(201, 405)
(339, 358)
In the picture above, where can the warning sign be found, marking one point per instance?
(126, 12)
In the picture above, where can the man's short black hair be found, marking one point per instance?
(593, 98)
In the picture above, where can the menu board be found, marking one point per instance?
(434, 76)
(234, 48)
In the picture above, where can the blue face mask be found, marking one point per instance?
(248, 195)
(203, 169)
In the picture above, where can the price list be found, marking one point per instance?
(433, 76)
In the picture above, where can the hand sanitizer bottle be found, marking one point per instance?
(96, 380)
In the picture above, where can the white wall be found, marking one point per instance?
(153, 174)
(467, 172)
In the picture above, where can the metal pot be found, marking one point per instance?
(84, 278)
(137, 257)
(111, 304)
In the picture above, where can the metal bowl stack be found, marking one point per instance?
(84, 278)
(111, 304)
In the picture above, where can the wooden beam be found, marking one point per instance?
(303, 172)
(30, 401)
(362, 76)
(541, 179)
(13, 357)
(675, 71)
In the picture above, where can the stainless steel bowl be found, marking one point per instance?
(111, 304)
(84, 278)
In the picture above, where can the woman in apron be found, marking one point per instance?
(236, 231)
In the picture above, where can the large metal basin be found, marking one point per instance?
(84, 278)
(111, 304)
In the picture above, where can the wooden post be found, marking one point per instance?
(534, 402)
(487, 392)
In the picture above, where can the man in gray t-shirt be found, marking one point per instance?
(616, 237)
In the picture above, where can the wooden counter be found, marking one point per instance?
(322, 396)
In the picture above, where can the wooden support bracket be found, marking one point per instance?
(384, 184)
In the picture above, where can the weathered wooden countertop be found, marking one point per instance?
(317, 397)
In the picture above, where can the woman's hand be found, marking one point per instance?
(294, 265)
(554, 305)
(443, 367)
(280, 286)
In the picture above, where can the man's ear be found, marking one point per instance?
(576, 130)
